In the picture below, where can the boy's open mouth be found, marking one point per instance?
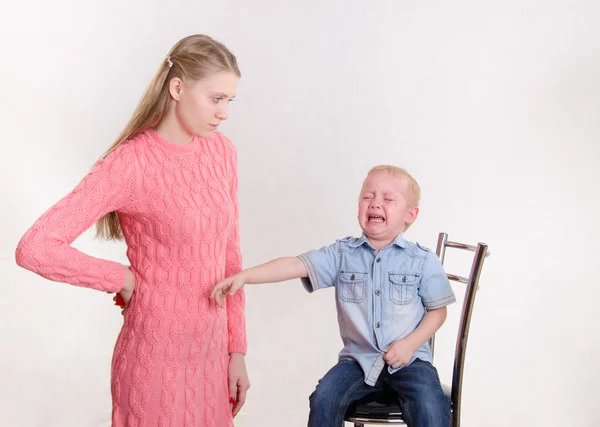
(376, 218)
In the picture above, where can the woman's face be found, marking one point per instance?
(202, 105)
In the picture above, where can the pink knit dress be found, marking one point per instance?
(178, 210)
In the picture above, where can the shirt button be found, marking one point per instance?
(377, 325)
(377, 292)
(378, 260)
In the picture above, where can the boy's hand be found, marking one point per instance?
(226, 287)
(399, 354)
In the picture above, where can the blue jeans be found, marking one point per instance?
(417, 386)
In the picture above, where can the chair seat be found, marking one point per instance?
(379, 407)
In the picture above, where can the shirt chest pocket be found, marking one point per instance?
(352, 286)
(403, 287)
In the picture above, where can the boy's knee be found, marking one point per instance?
(325, 396)
(318, 396)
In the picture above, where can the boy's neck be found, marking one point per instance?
(380, 244)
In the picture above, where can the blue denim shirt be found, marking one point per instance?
(381, 296)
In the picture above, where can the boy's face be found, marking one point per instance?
(383, 209)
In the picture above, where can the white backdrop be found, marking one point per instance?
(493, 106)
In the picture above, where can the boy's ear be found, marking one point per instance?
(412, 215)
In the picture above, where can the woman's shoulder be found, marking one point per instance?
(226, 147)
(227, 143)
(124, 157)
(130, 148)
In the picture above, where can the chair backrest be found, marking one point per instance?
(472, 282)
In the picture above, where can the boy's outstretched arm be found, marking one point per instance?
(401, 351)
(277, 270)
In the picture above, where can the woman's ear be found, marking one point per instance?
(175, 86)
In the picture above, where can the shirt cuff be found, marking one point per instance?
(439, 303)
(310, 283)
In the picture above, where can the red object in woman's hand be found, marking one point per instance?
(119, 301)
(232, 400)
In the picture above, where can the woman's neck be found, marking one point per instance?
(171, 130)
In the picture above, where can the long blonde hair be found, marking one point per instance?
(191, 58)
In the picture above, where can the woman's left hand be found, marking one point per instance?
(238, 381)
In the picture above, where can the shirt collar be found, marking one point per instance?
(399, 241)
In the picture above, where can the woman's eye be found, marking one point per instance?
(217, 99)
